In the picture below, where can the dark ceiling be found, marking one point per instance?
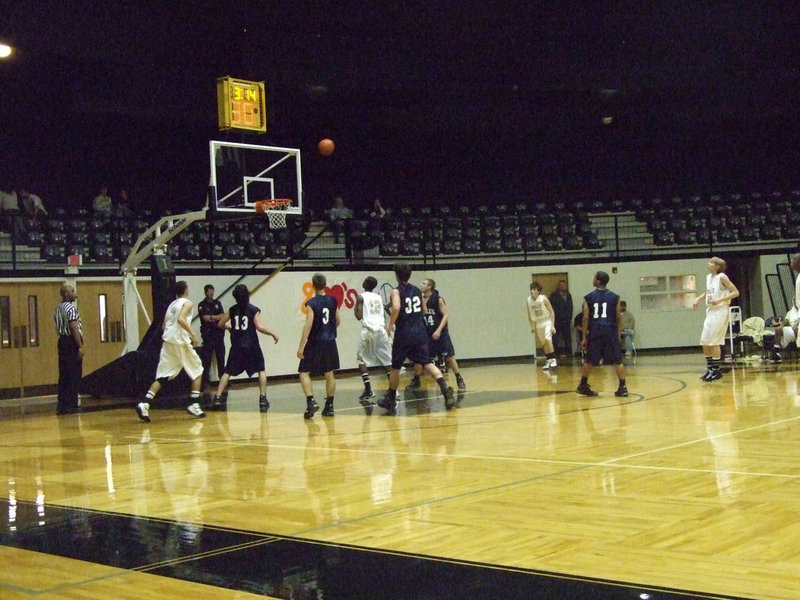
(455, 102)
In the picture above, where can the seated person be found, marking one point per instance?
(785, 332)
(628, 323)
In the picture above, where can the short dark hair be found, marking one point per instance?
(602, 277)
(319, 281)
(403, 272)
(370, 283)
(623, 303)
(536, 286)
(180, 288)
(207, 287)
(241, 294)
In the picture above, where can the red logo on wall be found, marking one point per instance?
(344, 295)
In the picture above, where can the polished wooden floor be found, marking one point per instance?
(683, 485)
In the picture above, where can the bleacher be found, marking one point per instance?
(514, 231)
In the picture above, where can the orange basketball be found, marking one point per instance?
(326, 147)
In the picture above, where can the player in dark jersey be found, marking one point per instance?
(410, 339)
(440, 346)
(245, 354)
(317, 350)
(601, 334)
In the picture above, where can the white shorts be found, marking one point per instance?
(374, 349)
(177, 357)
(715, 327)
(544, 332)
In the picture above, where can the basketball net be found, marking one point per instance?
(275, 209)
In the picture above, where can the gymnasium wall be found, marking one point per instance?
(487, 306)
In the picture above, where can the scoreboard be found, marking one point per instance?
(241, 104)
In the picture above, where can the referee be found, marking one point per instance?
(70, 351)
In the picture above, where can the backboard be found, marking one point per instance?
(244, 174)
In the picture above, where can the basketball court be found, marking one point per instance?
(526, 490)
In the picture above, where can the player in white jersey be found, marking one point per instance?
(177, 353)
(542, 318)
(375, 347)
(786, 329)
(718, 295)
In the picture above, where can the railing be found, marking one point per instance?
(553, 238)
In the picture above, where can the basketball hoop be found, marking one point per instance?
(275, 209)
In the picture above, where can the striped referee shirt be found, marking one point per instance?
(66, 312)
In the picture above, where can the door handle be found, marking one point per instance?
(15, 336)
(24, 336)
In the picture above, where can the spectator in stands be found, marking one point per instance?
(31, 205)
(561, 301)
(10, 214)
(338, 215)
(124, 209)
(377, 211)
(628, 323)
(102, 205)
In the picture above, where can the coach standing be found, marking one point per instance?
(70, 351)
(211, 313)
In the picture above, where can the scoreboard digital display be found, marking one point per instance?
(241, 104)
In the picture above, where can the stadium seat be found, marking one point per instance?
(662, 238)
(244, 237)
(34, 238)
(770, 231)
(512, 243)
(491, 245)
(78, 237)
(102, 253)
(430, 247)
(53, 253)
(233, 251)
(471, 246)
(591, 241)
(452, 233)
(530, 243)
(409, 248)
(573, 242)
(450, 246)
(254, 251)
(79, 249)
(56, 237)
(684, 237)
(551, 243)
(472, 233)
(702, 236)
(748, 233)
(389, 248)
(492, 233)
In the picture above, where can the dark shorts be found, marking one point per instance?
(413, 350)
(603, 345)
(442, 347)
(244, 359)
(319, 357)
